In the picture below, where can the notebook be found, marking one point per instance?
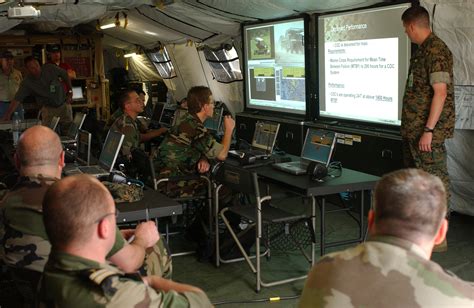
(214, 124)
(54, 123)
(77, 94)
(107, 158)
(167, 117)
(74, 128)
(263, 141)
(318, 147)
(157, 112)
(83, 150)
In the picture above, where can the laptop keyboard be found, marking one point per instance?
(91, 169)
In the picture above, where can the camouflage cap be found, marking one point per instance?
(123, 192)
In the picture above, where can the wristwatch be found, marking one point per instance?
(426, 129)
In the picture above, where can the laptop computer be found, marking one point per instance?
(157, 112)
(77, 94)
(83, 150)
(107, 158)
(318, 147)
(74, 128)
(54, 123)
(263, 141)
(167, 117)
(214, 124)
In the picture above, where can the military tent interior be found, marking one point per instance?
(185, 30)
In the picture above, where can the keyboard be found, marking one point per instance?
(91, 169)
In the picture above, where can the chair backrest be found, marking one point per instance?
(238, 179)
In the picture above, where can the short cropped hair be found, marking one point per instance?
(409, 203)
(123, 97)
(197, 98)
(35, 152)
(417, 15)
(29, 59)
(71, 206)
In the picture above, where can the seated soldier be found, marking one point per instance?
(80, 220)
(23, 241)
(393, 268)
(132, 106)
(188, 147)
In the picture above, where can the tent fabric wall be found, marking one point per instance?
(452, 21)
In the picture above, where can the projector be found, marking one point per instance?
(23, 12)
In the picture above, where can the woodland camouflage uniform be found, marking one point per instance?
(127, 126)
(432, 63)
(184, 145)
(384, 272)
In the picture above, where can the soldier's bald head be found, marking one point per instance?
(409, 203)
(72, 207)
(39, 146)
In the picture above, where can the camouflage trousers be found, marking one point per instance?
(434, 162)
(158, 261)
(184, 189)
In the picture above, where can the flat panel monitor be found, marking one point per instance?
(275, 66)
(364, 57)
(157, 112)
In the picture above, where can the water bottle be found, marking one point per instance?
(16, 129)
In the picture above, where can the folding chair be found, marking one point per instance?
(260, 212)
(147, 173)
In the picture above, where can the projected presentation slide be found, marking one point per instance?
(275, 62)
(363, 59)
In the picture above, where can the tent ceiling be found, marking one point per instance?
(171, 21)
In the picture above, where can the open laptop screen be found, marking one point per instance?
(75, 125)
(84, 147)
(167, 117)
(77, 94)
(214, 123)
(111, 148)
(157, 112)
(265, 135)
(318, 145)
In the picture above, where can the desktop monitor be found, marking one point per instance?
(157, 112)
(167, 117)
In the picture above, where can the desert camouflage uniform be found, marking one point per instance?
(432, 63)
(184, 145)
(72, 281)
(23, 237)
(384, 272)
(127, 126)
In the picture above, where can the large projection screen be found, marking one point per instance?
(275, 66)
(363, 65)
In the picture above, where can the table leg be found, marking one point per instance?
(323, 222)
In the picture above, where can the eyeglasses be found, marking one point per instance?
(116, 213)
